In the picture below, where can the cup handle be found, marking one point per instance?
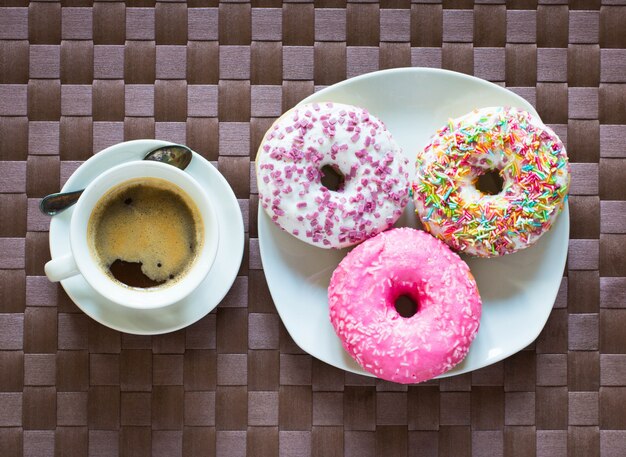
(61, 268)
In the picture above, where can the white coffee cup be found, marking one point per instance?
(82, 260)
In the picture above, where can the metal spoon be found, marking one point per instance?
(176, 155)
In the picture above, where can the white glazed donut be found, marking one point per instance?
(354, 143)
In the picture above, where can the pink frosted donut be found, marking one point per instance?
(362, 296)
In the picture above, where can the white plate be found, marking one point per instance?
(518, 290)
(201, 301)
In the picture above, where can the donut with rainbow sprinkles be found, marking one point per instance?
(529, 158)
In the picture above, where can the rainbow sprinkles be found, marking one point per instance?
(532, 162)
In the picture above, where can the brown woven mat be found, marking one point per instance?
(77, 77)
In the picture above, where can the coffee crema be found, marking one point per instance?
(148, 222)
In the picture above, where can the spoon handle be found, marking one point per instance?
(55, 203)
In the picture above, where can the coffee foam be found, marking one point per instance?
(149, 221)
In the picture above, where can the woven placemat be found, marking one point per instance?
(76, 77)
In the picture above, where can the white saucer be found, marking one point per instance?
(201, 301)
(518, 290)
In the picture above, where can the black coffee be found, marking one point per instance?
(146, 232)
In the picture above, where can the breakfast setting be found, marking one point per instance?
(312, 229)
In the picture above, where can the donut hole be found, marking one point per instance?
(490, 182)
(332, 178)
(406, 306)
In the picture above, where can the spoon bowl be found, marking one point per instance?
(176, 155)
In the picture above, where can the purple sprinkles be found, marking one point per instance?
(352, 141)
